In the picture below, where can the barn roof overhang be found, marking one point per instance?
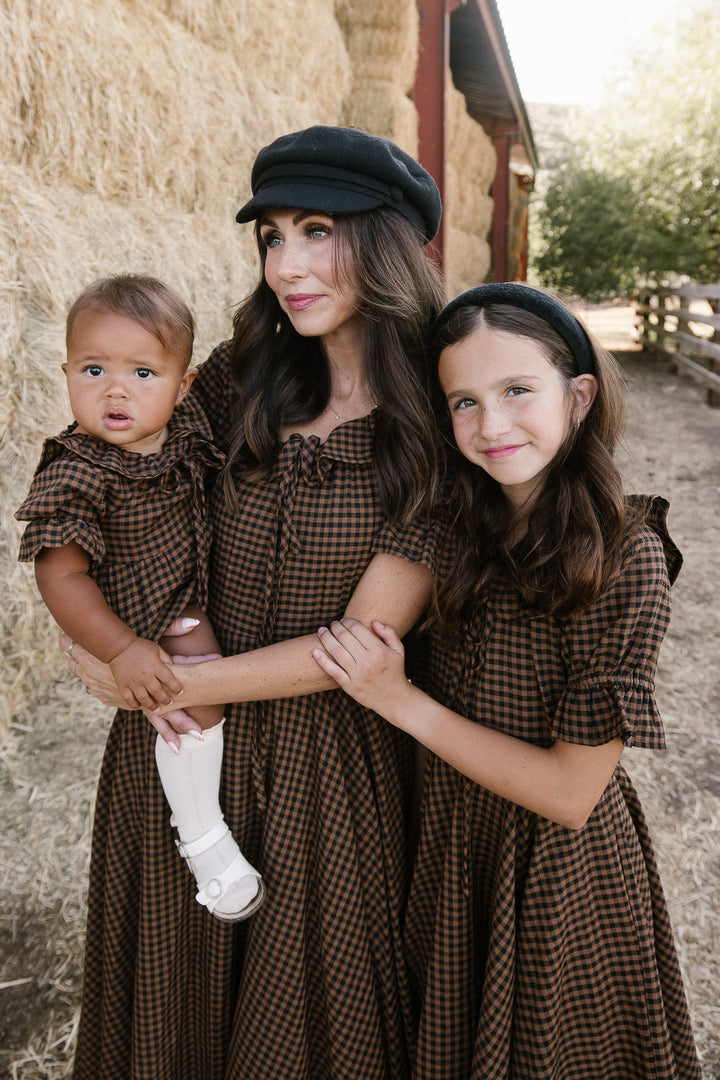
(483, 71)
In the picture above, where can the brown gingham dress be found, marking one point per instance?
(315, 790)
(142, 519)
(541, 953)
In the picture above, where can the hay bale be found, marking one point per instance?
(382, 42)
(470, 261)
(127, 134)
(377, 108)
(468, 211)
(470, 166)
(120, 99)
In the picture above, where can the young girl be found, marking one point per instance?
(119, 536)
(536, 926)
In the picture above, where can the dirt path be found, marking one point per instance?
(48, 774)
(674, 448)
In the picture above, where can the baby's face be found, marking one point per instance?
(123, 384)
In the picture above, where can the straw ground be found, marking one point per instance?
(49, 768)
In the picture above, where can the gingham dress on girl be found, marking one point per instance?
(315, 790)
(541, 953)
(142, 519)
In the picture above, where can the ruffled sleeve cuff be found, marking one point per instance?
(57, 531)
(418, 543)
(595, 711)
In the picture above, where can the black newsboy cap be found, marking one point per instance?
(338, 170)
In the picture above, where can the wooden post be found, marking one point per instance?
(429, 95)
(683, 326)
(501, 209)
(642, 323)
(660, 337)
(713, 396)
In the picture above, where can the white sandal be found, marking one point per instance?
(212, 889)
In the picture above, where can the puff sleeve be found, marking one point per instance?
(610, 653)
(66, 502)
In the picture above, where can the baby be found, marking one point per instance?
(119, 536)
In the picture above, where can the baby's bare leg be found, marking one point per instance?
(200, 641)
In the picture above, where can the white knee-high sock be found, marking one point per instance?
(191, 781)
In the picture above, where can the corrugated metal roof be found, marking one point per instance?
(483, 71)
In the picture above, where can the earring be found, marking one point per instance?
(577, 424)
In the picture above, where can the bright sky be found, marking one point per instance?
(563, 50)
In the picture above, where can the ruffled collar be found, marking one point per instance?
(188, 430)
(652, 510)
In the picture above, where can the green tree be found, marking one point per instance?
(635, 195)
(587, 222)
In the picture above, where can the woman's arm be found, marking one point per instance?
(563, 782)
(390, 588)
(287, 669)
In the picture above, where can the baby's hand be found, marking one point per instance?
(143, 676)
(368, 664)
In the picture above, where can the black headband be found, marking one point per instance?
(537, 303)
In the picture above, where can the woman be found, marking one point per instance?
(320, 404)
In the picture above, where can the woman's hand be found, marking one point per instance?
(96, 676)
(98, 681)
(172, 725)
(369, 665)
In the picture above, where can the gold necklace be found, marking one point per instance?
(346, 419)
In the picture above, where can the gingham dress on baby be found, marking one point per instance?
(142, 519)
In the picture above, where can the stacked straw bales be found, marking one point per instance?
(381, 39)
(127, 132)
(468, 210)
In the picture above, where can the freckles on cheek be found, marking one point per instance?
(462, 435)
(462, 422)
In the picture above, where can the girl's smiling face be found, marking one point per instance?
(511, 409)
(300, 268)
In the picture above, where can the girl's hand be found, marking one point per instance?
(369, 665)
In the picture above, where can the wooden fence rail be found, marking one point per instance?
(684, 324)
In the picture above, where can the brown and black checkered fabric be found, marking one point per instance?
(315, 789)
(142, 520)
(536, 951)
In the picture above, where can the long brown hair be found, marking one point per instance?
(283, 379)
(573, 544)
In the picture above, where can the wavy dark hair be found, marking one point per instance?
(282, 378)
(575, 528)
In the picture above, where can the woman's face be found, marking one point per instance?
(300, 270)
(511, 409)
